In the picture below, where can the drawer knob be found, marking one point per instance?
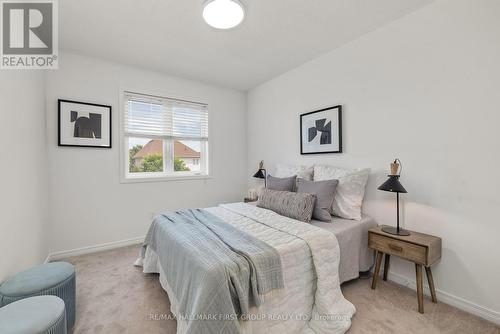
(395, 248)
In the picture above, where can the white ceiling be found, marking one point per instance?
(170, 35)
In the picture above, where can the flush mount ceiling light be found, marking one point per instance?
(223, 14)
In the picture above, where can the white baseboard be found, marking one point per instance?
(449, 299)
(54, 256)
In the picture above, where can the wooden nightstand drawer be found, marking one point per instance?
(406, 250)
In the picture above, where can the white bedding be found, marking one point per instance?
(310, 260)
(352, 236)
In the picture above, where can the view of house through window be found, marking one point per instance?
(146, 155)
(165, 137)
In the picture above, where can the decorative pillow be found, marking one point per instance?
(324, 192)
(281, 184)
(294, 205)
(350, 189)
(304, 172)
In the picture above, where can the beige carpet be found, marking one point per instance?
(113, 296)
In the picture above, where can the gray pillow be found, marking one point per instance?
(324, 192)
(289, 204)
(281, 183)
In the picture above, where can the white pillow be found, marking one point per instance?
(350, 190)
(303, 172)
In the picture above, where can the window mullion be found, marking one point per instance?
(204, 157)
(168, 156)
(168, 144)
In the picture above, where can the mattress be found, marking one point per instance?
(352, 235)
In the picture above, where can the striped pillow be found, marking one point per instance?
(298, 206)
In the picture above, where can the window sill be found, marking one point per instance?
(163, 178)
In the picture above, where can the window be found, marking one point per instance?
(164, 137)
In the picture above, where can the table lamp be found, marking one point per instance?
(261, 173)
(393, 185)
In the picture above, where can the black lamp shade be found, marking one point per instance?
(393, 185)
(260, 174)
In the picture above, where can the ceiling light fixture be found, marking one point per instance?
(223, 14)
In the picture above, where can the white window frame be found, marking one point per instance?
(127, 177)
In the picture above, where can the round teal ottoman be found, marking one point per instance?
(34, 315)
(55, 278)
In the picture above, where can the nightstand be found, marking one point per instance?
(421, 249)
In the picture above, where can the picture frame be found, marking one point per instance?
(321, 131)
(82, 124)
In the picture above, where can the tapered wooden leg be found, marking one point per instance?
(420, 290)
(386, 265)
(377, 269)
(431, 284)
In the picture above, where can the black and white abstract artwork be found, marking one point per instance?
(84, 124)
(321, 131)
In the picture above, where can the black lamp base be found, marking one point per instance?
(393, 230)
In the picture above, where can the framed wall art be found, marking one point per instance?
(84, 124)
(321, 131)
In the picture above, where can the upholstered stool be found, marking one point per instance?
(56, 278)
(34, 315)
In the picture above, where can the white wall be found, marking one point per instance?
(426, 89)
(23, 166)
(88, 204)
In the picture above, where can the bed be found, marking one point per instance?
(315, 259)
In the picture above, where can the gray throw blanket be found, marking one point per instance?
(216, 271)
